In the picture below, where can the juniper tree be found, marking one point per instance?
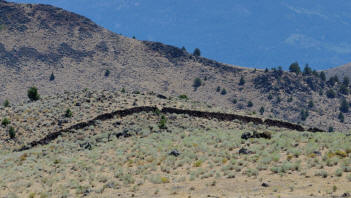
(242, 80)
(294, 67)
(33, 94)
(197, 52)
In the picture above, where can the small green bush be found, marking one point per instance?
(123, 90)
(12, 132)
(218, 89)
(344, 106)
(33, 94)
(224, 91)
(331, 129)
(234, 101)
(330, 93)
(262, 110)
(6, 103)
(162, 123)
(5, 122)
(107, 73)
(341, 117)
(197, 83)
(68, 113)
(290, 99)
(338, 173)
(249, 104)
(183, 97)
(304, 114)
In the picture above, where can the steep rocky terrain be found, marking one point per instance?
(37, 40)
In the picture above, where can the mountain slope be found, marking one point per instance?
(37, 40)
(340, 71)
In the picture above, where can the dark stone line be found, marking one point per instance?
(201, 114)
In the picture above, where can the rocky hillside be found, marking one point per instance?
(113, 143)
(39, 40)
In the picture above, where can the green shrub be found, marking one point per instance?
(162, 123)
(341, 117)
(12, 132)
(249, 104)
(6, 103)
(310, 104)
(331, 129)
(197, 83)
(344, 106)
(183, 97)
(338, 173)
(68, 113)
(234, 101)
(107, 73)
(344, 89)
(224, 91)
(330, 93)
(290, 99)
(261, 110)
(304, 114)
(123, 90)
(242, 80)
(5, 122)
(33, 94)
(218, 89)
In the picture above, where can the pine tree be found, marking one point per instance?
(52, 76)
